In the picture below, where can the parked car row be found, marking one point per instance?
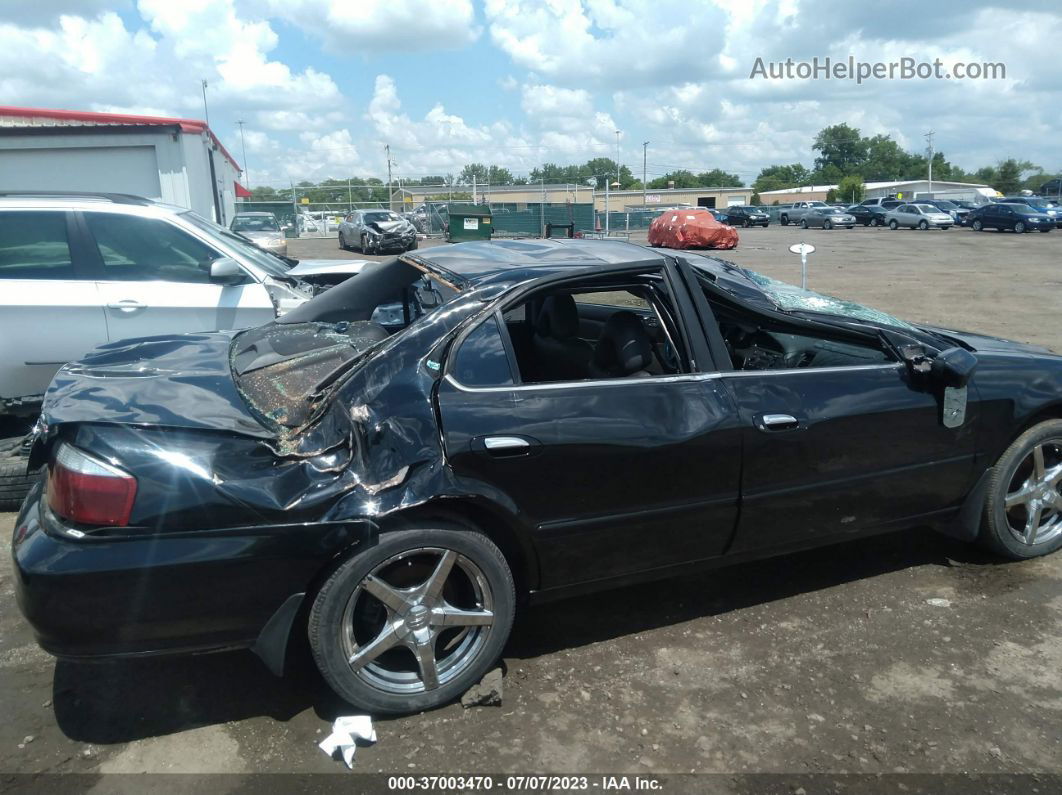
(1018, 214)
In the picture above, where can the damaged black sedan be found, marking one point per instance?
(394, 466)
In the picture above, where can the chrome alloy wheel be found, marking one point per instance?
(1033, 503)
(417, 621)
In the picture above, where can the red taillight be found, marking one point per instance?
(86, 490)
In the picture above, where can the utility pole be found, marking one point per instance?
(542, 207)
(473, 187)
(243, 146)
(206, 113)
(929, 138)
(390, 202)
(645, 187)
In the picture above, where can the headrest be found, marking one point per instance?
(624, 347)
(558, 317)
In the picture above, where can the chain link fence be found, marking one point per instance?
(430, 218)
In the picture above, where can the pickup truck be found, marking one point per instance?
(794, 213)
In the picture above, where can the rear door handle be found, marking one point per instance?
(505, 446)
(127, 305)
(778, 422)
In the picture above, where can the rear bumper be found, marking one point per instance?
(159, 594)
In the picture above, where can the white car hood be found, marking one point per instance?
(321, 267)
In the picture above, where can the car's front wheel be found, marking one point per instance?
(1023, 507)
(413, 622)
(923, 225)
(827, 225)
(1019, 228)
(977, 226)
(894, 224)
(803, 223)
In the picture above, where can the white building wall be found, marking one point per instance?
(168, 166)
(147, 164)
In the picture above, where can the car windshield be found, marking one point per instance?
(832, 211)
(274, 266)
(945, 205)
(381, 215)
(1022, 209)
(926, 208)
(255, 223)
(790, 298)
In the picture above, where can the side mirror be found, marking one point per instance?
(953, 367)
(225, 270)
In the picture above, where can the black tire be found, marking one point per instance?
(15, 483)
(361, 245)
(413, 245)
(977, 226)
(784, 220)
(945, 228)
(342, 243)
(1045, 231)
(1020, 228)
(996, 532)
(331, 603)
(923, 225)
(894, 224)
(827, 224)
(803, 223)
(746, 224)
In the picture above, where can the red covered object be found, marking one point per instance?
(691, 228)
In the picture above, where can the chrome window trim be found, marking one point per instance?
(665, 379)
(791, 371)
(589, 382)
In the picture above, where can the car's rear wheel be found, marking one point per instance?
(342, 242)
(1019, 227)
(413, 622)
(1023, 508)
(894, 224)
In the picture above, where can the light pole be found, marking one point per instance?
(243, 147)
(206, 113)
(929, 138)
(645, 149)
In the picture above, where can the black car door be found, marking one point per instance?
(610, 476)
(847, 448)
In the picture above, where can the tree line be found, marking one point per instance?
(843, 157)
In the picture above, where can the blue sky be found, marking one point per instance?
(322, 85)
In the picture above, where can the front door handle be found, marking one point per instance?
(127, 305)
(505, 446)
(778, 422)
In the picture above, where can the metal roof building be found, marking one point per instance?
(179, 161)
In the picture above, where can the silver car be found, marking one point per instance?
(376, 231)
(828, 218)
(263, 230)
(918, 216)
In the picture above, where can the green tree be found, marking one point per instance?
(780, 177)
(840, 146)
(1008, 176)
(717, 178)
(851, 189)
(682, 179)
(494, 175)
(831, 196)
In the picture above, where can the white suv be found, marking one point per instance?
(80, 270)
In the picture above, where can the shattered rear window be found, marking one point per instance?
(278, 369)
(790, 298)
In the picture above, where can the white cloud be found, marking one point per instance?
(609, 42)
(381, 25)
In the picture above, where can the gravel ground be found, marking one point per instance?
(908, 653)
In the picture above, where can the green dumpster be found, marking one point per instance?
(469, 222)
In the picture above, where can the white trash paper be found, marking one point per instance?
(346, 731)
